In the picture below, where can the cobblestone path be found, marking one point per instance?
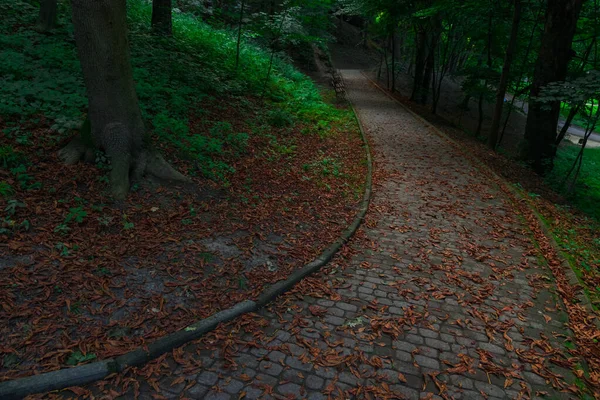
(441, 296)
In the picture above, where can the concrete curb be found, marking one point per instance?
(84, 374)
(546, 230)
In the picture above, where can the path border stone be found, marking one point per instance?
(546, 230)
(88, 373)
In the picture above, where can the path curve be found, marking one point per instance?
(442, 297)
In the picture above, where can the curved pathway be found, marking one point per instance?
(440, 296)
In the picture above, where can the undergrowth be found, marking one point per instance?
(586, 193)
(175, 78)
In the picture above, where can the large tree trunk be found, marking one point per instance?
(116, 125)
(162, 21)
(501, 92)
(551, 66)
(47, 17)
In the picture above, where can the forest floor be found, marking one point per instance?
(443, 293)
(116, 275)
(276, 176)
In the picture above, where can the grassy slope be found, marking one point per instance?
(587, 191)
(42, 77)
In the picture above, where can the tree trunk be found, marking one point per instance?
(563, 132)
(116, 125)
(521, 75)
(551, 66)
(47, 17)
(239, 36)
(393, 59)
(421, 38)
(510, 51)
(429, 64)
(485, 82)
(162, 21)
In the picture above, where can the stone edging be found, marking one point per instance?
(570, 274)
(84, 374)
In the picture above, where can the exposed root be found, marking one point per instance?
(119, 176)
(125, 169)
(158, 167)
(76, 151)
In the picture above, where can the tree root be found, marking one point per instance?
(125, 168)
(76, 151)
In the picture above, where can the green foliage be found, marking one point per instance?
(77, 357)
(280, 118)
(75, 214)
(175, 77)
(62, 249)
(9, 157)
(127, 225)
(9, 222)
(586, 195)
(326, 166)
(6, 189)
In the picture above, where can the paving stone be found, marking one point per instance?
(492, 348)
(295, 363)
(534, 378)
(437, 344)
(232, 386)
(325, 303)
(197, 391)
(212, 395)
(270, 368)
(266, 379)
(426, 362)
(490, 389)
(461, 381)
(247, 360)
(290, 389)
(293, 375)
(314, 382)
(208, 378)
(253, 393)
(415, 339)
(348, 378)
(405, 392)
(335, 321)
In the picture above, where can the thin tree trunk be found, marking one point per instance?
(551, 66)
(429, 65)
(480, 115)
(521, 76)
(387, 64)
(485, 82)
(239, 35)
(421, 39)
(393, 59)
(162, 20)
(445, 64)
(283, 17)
(47, 16)
(591, 125)
(563, 132)
(574, 110)
(500, 94)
